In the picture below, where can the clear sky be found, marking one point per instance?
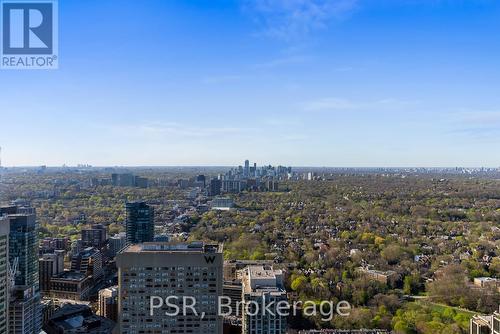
(295, 82)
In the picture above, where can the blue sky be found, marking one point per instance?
(295, 82)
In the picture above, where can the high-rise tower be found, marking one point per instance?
(159, 270)
(4, 273)
(140, 222)
(24, 305)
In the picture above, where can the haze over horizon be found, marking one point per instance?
(347, 83)
(213, 165)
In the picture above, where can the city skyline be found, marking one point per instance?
(125, 167)
(347, 83)
(249, 250)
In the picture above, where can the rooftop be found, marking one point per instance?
(483, 320)
(486, 279)
(262, 272)
(168, 247)
(262, 279)
(70, 275)
(79, 319)
(378, 272)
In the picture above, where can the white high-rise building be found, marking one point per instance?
(108, 303)
(262, 285)
(117, 243)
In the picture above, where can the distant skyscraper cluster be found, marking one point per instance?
(253, 178)
(121, 180)
(243, 178)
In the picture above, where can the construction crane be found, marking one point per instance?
(13, 272)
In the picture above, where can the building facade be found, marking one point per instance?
(163, 270)
(89, 262)
(215, 187)
(50, 265)
(139, 222)
(4, 273)
(25, 300)
(222, 203)
(262, 285)
(116, 243)
(23, 245)
(94, 236)
(70, 285)
(485, 324)
(108, 303)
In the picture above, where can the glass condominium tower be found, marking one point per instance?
(140, 224)
(4, 273)
(24, 304)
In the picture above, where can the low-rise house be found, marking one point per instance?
(487, 282)
(388, 277)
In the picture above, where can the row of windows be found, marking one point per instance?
(130, 291)
(143, 280)
(172, 320)
(179, 284)
(178, 268)
(172, 273)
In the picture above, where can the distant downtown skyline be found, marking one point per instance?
(348, 83)
(228, 167)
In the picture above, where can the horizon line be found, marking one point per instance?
(232, 166)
